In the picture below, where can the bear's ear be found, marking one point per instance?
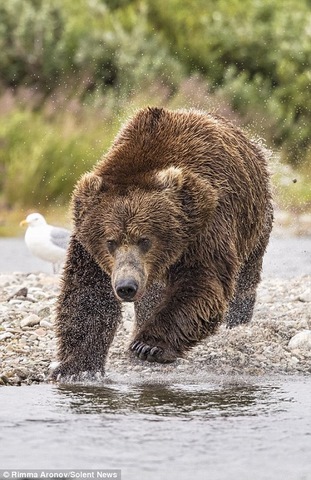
(199, 200)
(86, 193)
(170, 178)
(89, 183)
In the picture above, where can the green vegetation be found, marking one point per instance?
(73, 70)
(258, 52)
(43, 159)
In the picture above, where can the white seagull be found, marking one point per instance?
(45, 241)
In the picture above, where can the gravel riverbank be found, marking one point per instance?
(268, 345)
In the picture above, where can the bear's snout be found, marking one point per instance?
(128, 275)
(126, 289)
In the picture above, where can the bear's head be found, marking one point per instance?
(137, 230)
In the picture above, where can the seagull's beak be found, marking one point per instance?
(23, 223)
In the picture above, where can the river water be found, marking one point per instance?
(175, 428)
(202, 428)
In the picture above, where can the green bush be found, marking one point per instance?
(88, 45)
(257, 51)
(31, 34)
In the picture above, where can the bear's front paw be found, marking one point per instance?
(152, 353)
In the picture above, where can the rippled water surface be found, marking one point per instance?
(177, 428)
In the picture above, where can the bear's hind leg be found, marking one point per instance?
(241, 307)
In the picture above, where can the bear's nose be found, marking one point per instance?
(126, 289)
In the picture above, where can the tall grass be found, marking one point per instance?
(41, 159)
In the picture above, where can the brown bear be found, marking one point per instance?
(176, 218)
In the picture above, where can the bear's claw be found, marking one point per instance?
(150, 353)
(146, 352)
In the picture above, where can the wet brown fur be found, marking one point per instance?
(197, 189)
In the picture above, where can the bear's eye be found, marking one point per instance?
(111, 245)
(144, 244)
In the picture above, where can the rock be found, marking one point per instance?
(21, 373)
(46, 324)
(40, 332)
(15, 301)
(301, 340)
(22, 292)
(294, 360)
(32, 277)
(44, 312)
(30, 320)
(4, 380)
(5, 335)
(5, 280)
(305, 297)
(32, 338)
